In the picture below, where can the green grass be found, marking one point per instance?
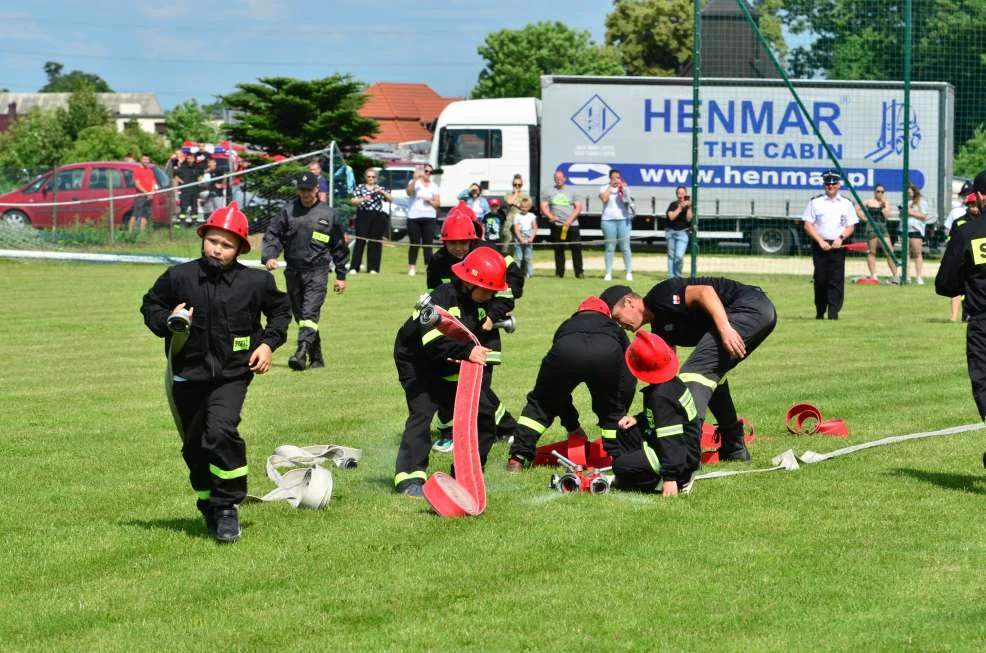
(103, 549)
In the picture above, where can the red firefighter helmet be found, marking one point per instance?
(650, 359)
(483, 267)
(229, 218)
(458, 226)
(593, 303)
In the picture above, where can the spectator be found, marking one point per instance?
(215, 186)
(615, 222)
(422, 216)
(877, 211)
(315, 167)
(371, 222)
(679, 222)
(473, 197)
(129, 158)
(144, 181)
(493, 222)
(562, 210)
(829, 220)
(525, 229)
(185, 175)
(917, 220)
(960, 210)
(513, 206)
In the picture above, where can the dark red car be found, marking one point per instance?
(91, 182)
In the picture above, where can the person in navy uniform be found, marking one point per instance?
(829, 220)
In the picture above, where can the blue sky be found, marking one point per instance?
(184, 49)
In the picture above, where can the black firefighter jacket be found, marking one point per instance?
(312, 238)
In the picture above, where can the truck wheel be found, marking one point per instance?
(771, 241)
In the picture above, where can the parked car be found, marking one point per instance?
(395, 178)
(92, 183)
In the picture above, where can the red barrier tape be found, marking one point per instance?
(576, 448)
(806, 419)
(464, 495)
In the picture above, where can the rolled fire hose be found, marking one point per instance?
(180, 327)
(299, 476)
(464, 495)
(799, 415)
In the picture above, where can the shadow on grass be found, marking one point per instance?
(187, 525)
(975, 484)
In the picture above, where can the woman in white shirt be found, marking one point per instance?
(917, 220)
(422, 216)
(615, 222)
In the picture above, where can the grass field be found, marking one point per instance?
(103, 549)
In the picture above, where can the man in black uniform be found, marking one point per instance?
(186, 174)
(723, 319)
(427, 366)
(208, 312)
(461, 233)
(587, 348)
(963, 271)
(312, 238)
(664, 441)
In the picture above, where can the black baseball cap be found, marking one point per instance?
(831, 176)
(979, 183)
(306, 181)
(966, 189)
(614, 294)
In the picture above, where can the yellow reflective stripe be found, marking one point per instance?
(203, 494)
(415, 314)
(451, 377)
(455, 310)
(501, 410)
(652, 458)
(227, 474)
(434, 334)
(444, 280)
(691, 377)
(241, 344)
(494, 357)
(506, 294)
(509, 260)
(405, 476)
(668, 431)
(308, 324)
(320, 237)
(608, 434)
(687, 402)
(537, 427)
(443, 425)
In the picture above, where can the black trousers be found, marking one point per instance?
(188, 201)
(573, 241)
(754, 317)
(506, 424)
(420, 231)
(306, 290)
(595, 360)
(975, 353)
(372, 225)
(424, 398)
(209, 412)
(637, 466)
(829, 280)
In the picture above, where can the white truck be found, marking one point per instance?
(759, 160)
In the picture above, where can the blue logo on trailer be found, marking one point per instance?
(595, 118)
(891, 138)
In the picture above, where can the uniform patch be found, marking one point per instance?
(978, 251)
(320, 237)
(241, 344)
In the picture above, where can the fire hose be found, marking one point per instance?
(806, 419)
(299, 476)
(465, 494)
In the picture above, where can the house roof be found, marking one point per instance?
(402, 109)
(120, 104)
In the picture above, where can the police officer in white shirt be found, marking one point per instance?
(829, 220)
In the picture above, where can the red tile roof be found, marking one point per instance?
(401, 109)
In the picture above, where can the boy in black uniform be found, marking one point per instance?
(723, 319)
(427, 367)
(186, 174)
(963, 271)
(460, 234)
(312, 238)
(664, 441)
(208, 312)
(587, 348)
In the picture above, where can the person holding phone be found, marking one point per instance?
(371, 222)
(615, 222)
(876, 210)
(422, 216)
(679, 215)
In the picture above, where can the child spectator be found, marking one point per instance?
(493, 221)
(525, 228)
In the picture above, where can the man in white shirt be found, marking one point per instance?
(829, 221)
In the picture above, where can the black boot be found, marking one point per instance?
(315, 359)
(227, 525)
(297, 362)
(208, 514)
(733, 447)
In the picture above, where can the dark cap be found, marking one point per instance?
(966, 188)
(831, 176)
(614, 294)
(306, 181)
(979, 183)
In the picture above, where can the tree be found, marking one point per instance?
(971, 158)
(189, 120)
(74, 81)
(84, 110)
(37, 140)
(282, 115)
(656, 37)
(105, 143)
(516, 59)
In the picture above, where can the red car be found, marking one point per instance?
(90, 182)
